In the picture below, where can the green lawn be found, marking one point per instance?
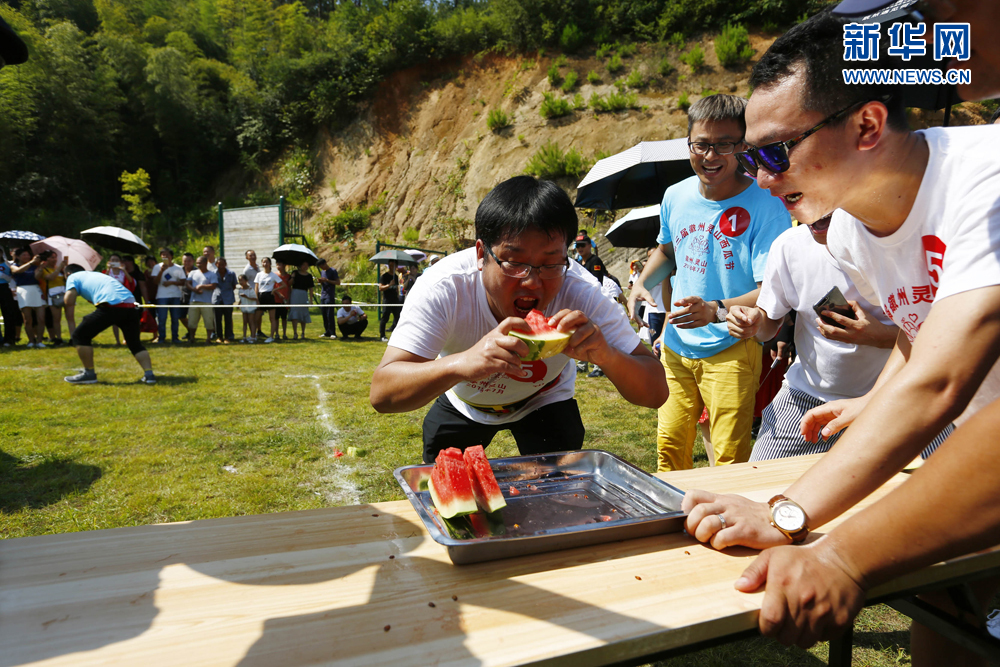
(246, 429)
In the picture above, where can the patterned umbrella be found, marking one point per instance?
(74, 250)
(21, 236)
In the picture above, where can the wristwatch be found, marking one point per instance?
(720, 314)
(789, 517)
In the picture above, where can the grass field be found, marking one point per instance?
(247, 429)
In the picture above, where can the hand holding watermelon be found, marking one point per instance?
(586, 343)
(497, 352)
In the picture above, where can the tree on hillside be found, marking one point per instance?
(135, 191)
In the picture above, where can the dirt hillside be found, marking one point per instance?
(424, 147)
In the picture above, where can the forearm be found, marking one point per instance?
(769, 328)
(402, 386)
(875, 447)
(638, 377)
(748, 299)
(658, 268)
(942, 512)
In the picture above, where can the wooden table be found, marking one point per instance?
(365, 585)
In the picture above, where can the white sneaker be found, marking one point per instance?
(31, 346)
(993, 623)
(385, 340)
(268, 340)
(39, 346)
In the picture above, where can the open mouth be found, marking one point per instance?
(711, 171)
(822, 225)
(524, 305)
(792, 198)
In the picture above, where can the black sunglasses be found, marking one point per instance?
(774, 157)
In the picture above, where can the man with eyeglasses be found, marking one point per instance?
(452, 342)
(717, 227)
(914, 219)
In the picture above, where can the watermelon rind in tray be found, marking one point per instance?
(554, 501)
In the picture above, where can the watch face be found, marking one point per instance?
(789, 517)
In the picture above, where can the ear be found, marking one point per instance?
(871, 124)
(480, 254)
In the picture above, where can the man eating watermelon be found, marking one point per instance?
(453, 339)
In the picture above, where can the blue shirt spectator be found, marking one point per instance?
(225, 291)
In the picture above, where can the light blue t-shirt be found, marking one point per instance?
(721, 249)
(99, 288)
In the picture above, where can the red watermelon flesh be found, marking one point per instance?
(484, 483)
(538, 322)
(451, 485)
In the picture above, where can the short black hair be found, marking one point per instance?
(128, 258)
(74, 268)
(23, 249)
(188, 254)
(523, 203)
(817, 45)
(321, 262)
(346, 298)
(719, 107)
(168, 251)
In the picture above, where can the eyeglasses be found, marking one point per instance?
(519, 270)
(774, 157)
(721, 148)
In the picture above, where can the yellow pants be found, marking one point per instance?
(726, 384)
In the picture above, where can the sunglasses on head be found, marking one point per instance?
(774, 157)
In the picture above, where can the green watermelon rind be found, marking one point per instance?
(458, 508)
(542, 346)
(487, 502)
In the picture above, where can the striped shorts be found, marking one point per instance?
(780, 436)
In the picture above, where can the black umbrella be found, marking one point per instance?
(117, 239)
(294, 254)
(636, 177)
(638, 229)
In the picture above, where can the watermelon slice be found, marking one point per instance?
(543, 341)
(451, 485)
(484, 483)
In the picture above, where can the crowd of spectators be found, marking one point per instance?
(198, 294)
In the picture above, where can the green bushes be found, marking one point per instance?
(616, 101)
(676, 40)
(572, 38)
(684, 102)
(555, 78)
(554, 107)
(551, 162)
(665, 68)
(593, 78)
(604, 50)
(579, 103)
(615, 64)
(497, 119)
(695, 58)
(732, 46)
(635, 79)
(569, 83)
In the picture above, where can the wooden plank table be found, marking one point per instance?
(365, 585)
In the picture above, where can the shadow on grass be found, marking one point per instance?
(35, 485)
(173, 380)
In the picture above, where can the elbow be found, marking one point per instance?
(379, 401)
(657, 397)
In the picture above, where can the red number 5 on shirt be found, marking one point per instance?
(934, 255)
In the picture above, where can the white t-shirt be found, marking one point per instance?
(798, 274)
(247, 296)
(352, 312)
(610, 288)
(196, 278)
(267, 281)
(949, 243)
(173, 272)
(447, 312)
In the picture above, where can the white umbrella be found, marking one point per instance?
(638, 229)
(416, 254)
(115, 238)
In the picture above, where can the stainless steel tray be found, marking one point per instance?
(556, 501)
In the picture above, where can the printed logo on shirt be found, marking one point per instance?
(538, 369)
(934, 256)
(699, 244)
(734, 221)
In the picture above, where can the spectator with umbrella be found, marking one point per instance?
(282, 297)
(53, 281)
(302, 293)
(388, 285)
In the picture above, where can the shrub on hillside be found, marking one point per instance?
(615, 64)
(579, 103)
(635, 79)
(695, 58)
(497, 119)
(627, 50)
(570, 82)
(683, 101)
(604, 50)
(561, 61)
(732, 46)
(554, 107)
(593, 78)
(665, 68)
(677, 41)
(614, 102)
(551, 162)
(555, 78)
(572, 38)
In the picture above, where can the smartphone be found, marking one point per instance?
(835, 301)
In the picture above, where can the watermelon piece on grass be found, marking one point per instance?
(451, 485)
(484, 483)
(543, 341)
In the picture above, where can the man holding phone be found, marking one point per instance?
(843, 341)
